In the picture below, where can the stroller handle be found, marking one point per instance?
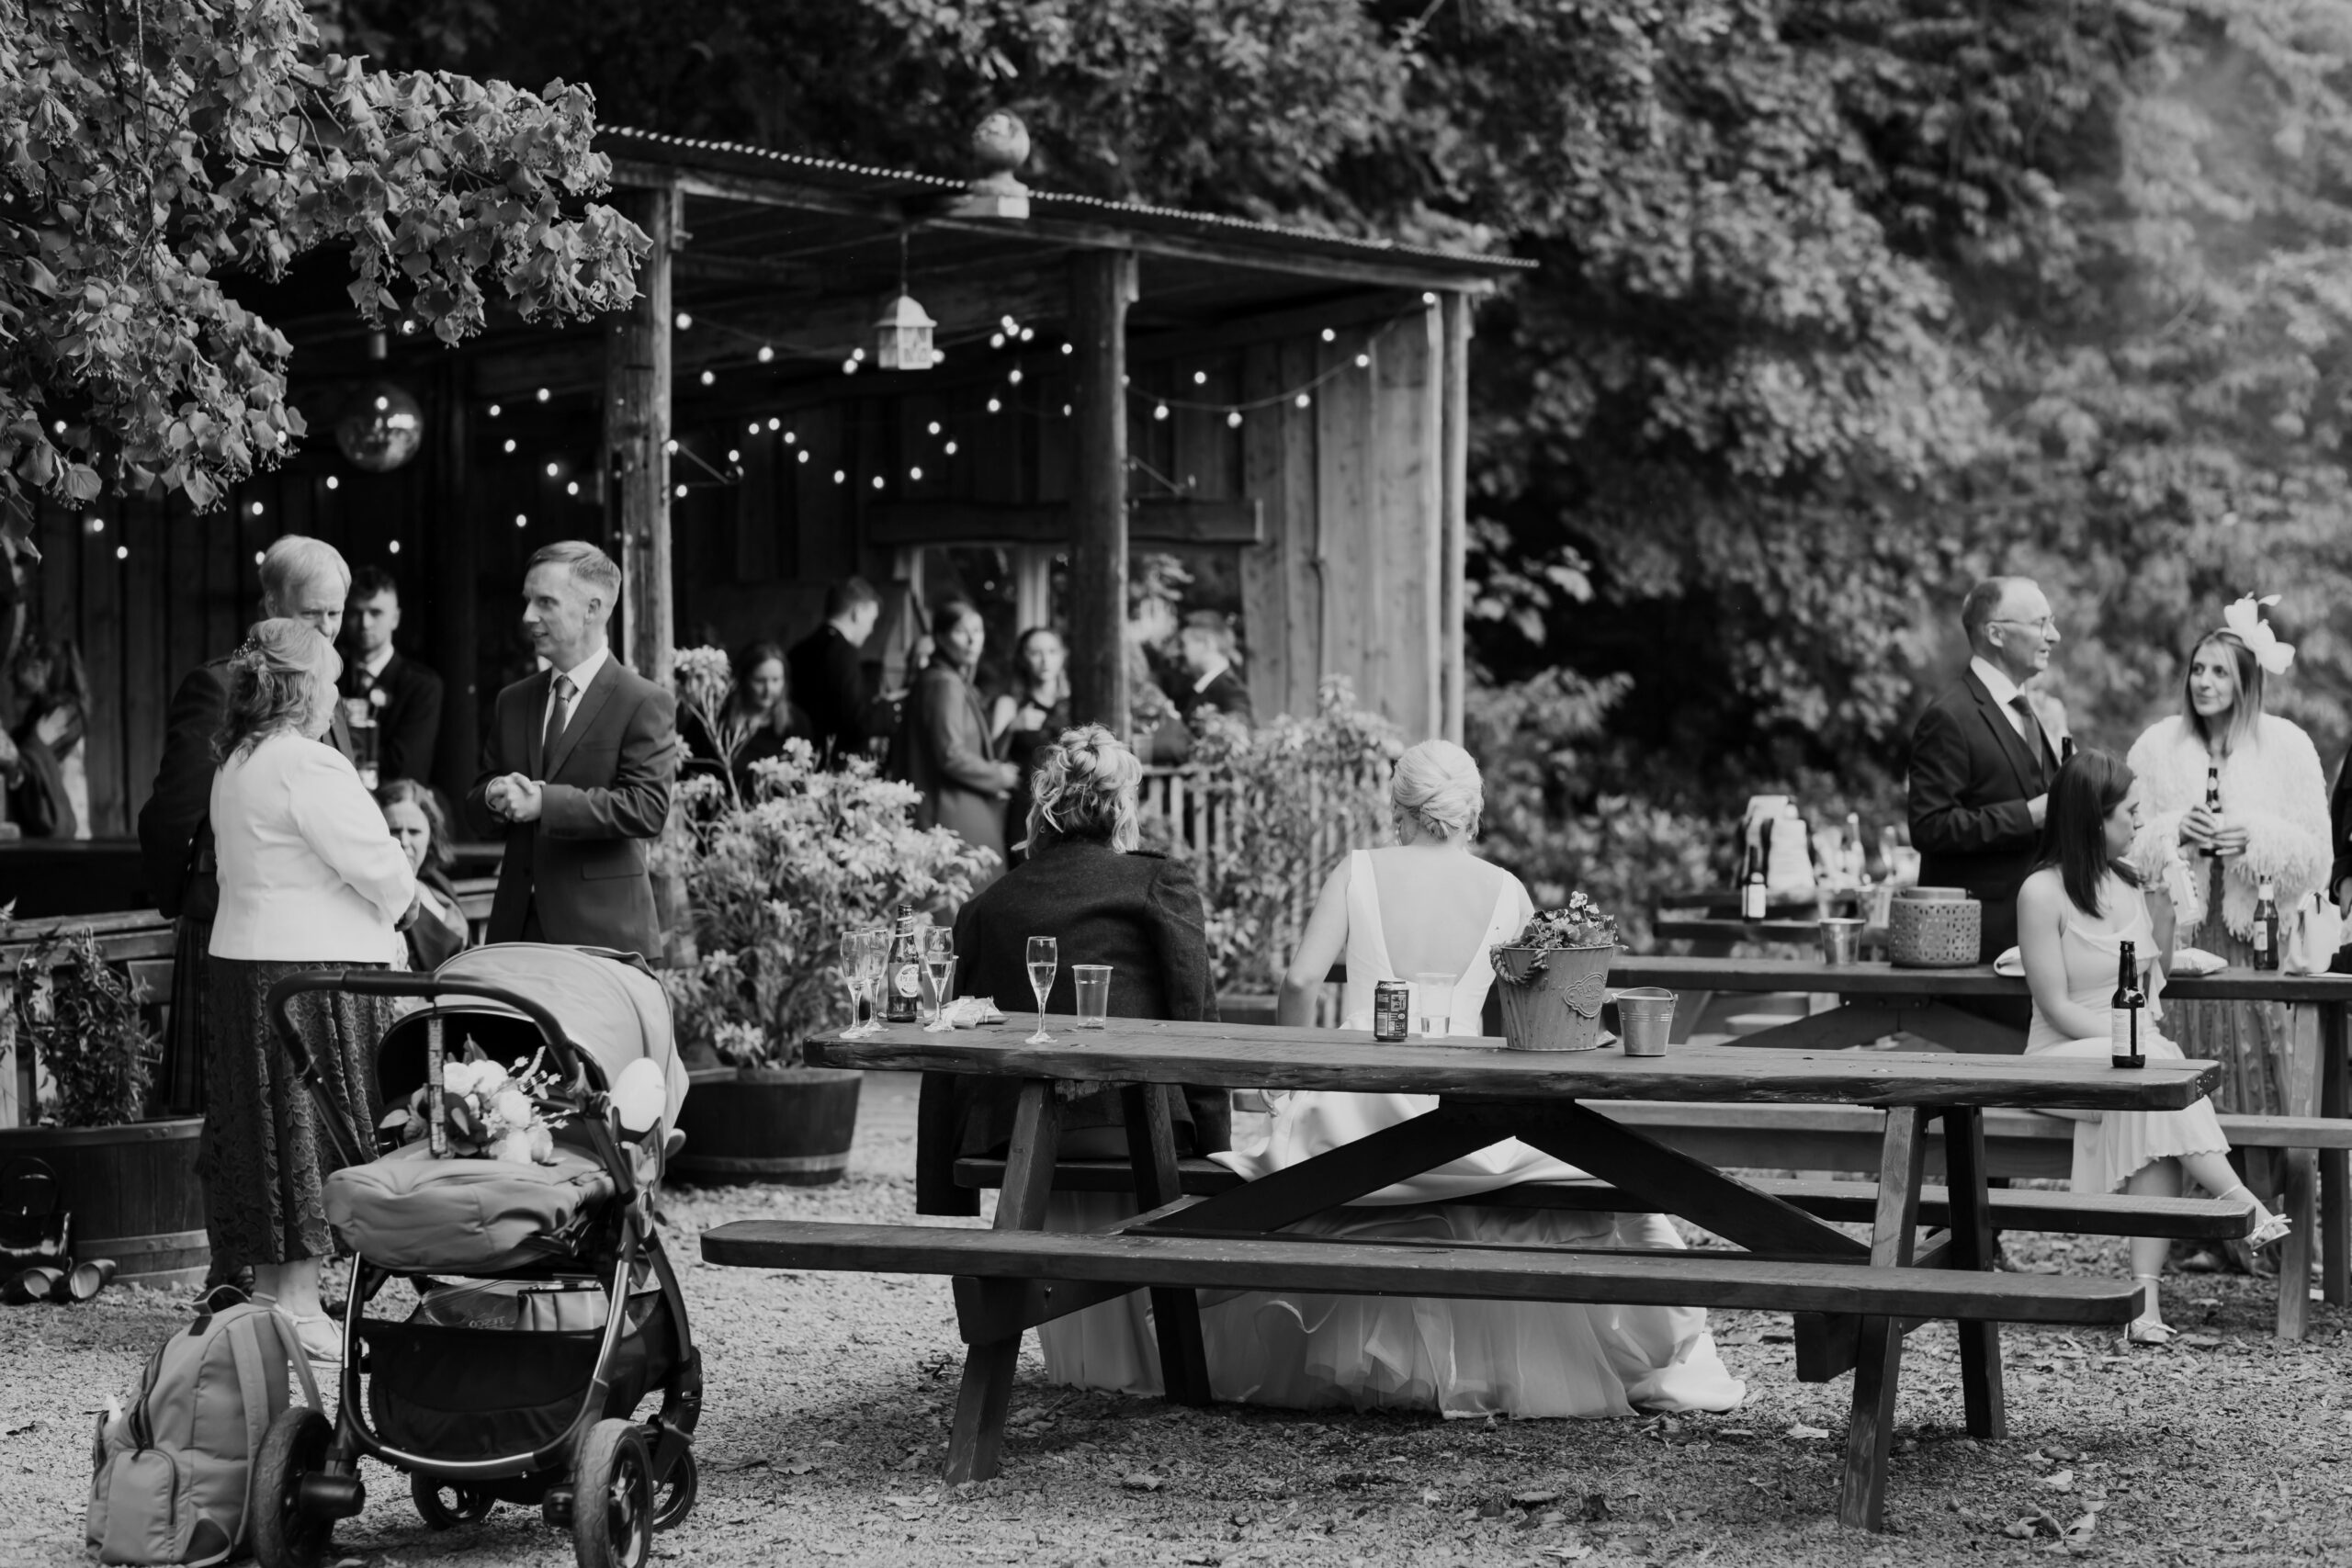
(400, 982)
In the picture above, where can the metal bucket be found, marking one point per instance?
(1551, 996)
(1645, 1019)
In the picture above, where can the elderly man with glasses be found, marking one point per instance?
(1982, 760)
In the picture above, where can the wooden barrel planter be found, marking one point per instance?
(785, 1124)
(135, 1194)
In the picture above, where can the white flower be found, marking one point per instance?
(514, 1146)
(510, 1108)
(458, 1077)
(542, 1145)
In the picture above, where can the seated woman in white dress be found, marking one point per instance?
(1428, 906)
(2082, 903)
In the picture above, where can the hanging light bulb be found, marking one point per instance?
(775, 425)
(1015, 377)
(849, 366)
(510, 445)
(878, 481)
(1159, 411)
(1233, 420)
(257, 508)
(122, 552)
(394, 545)
(682, 492)
(932, 427)
(1200, 378)
(685, 320)
(552, 470)
(804, 453)
(521, 521)
(334, 483)
(710, 377)
(571, 489)
(543, 394)
(949, 449)
(790, 437)
(752, 428)
(996, 340)
(995, 407)
(839, 476)
(734, 454)
(495, 411)
(915, 474)
(1363, 361)
(1304, 400)
(1069, 348)
(670, 446)
(767, 354)
(1331, 337)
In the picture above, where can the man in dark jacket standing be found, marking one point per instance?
(828, 678)
(401, 698)
(1982, 760)
(578, 769)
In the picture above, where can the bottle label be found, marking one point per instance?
(2122, 1038)
(909, 981)
(2262, 936)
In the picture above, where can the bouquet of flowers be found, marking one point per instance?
(487, 1111)
(1581, 924)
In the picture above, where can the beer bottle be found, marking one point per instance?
(2265, 926)
(1751, 887)
(902, 979)
(2123, 1012)
(2214, 796)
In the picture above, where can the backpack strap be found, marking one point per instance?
(253, 1388)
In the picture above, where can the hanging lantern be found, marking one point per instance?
(903, 335)
(381, 427)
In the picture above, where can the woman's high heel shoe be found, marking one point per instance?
(2148, 1328)
(2270, 1230)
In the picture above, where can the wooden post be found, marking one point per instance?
(456, 563)
(1454, 519)
(1102, 286)
(636, 441)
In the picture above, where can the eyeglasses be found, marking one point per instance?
(2045, 626)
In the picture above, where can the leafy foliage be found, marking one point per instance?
(149, 150)
(80, 1017)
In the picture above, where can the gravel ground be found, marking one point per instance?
(829, 1396)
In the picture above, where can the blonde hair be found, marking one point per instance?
(272, 682)
(1085, 787)
(2241, 725)
(1437, 784)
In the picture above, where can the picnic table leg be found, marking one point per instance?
(1175, 1310)
(2307, 1042)
(978, 1435)
(2335, 1226)
(1861, 1501)
(1971, 1248)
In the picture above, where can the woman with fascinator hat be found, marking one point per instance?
(2272, 827)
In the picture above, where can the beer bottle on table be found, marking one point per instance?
(2123, 1012)
(903, 978)
(1751, 886)
(2213, 797)
(2266, 925)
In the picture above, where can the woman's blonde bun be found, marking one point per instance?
(1437, 783)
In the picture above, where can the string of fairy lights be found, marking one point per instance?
(1014, 391)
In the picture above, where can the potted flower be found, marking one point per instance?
(130, 1182)
(1555, 975)
(774, 875)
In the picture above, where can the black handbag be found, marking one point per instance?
(33, 1229)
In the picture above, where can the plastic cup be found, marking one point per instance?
(1093, 982)
(1433, 1005)
(1645, 1019)
(1841, 940)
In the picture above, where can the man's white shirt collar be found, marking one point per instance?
(1996, 681)
(374, 663)
(584, 672)
(1203, 684)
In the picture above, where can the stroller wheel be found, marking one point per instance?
(444, 1505)
(283, 1536)
(611, 1508)
(675, 1497)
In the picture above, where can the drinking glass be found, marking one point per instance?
(851, 948)
(938, 971)
(872, 958)
(1433, 1005)
(1044, 958)
(1094, 993)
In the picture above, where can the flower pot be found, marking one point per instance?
(1551, 996)
(786, 1124)
(133, 1192)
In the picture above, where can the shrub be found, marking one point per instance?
(80, 1016)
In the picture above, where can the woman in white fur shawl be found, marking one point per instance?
(2272, 827)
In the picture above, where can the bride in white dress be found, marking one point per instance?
(2082, 903)
(1427, 905)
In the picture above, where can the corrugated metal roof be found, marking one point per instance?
(655, 146)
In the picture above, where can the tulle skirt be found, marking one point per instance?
(1456, 1357)
(2111, 1150)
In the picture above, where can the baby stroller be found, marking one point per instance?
(521, 1383)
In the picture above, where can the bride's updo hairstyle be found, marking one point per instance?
(1085, 787)
(272, 680)
(1437, 787)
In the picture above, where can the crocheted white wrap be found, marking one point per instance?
(2274, 788)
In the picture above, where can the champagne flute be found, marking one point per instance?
(938, 970)
(1044, 958)
(852, 952)
(873, 950)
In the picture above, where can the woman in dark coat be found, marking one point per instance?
(1030, 713)
(439, 932)
(1085, 885)
(944, 746)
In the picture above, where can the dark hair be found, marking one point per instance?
(2074, 834)
(849, 594)
(750, 657)
(270, 682)
(63, 681)
(949, 615)
(372, 582)
(407, 792)
(1020, 682)
(1218, 626)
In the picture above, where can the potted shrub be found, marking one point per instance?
(774, 873)
(1553, 977)
(130, 1182)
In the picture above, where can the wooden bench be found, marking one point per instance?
(1855, 1203)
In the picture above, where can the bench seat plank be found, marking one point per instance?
(2097, 1214)
(1697, 1279)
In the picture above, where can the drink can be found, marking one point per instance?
(1391, 1010)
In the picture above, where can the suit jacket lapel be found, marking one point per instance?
(2022, 761)
(583, 714)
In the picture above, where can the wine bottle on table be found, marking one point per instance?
(2123, 1012)
(2266, 925)
(903, 978)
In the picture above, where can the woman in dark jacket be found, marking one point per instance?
(439, 931)
(945, 750)
(759, 717)
(1083, 885)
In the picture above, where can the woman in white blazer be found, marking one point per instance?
(310, 875)
(2272, 827)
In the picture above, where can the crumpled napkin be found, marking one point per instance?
(2185, 961)
(967, 1012)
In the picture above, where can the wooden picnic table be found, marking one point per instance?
(1877, 999)
(1012, 1279)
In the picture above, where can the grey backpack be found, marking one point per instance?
(172, 1472)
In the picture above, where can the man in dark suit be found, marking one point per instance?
(302, 578)
(1982, 757)
(400, 697)
(1209, 679)
(828, 678)
(578, 769)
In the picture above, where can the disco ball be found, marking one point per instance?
(381, 428)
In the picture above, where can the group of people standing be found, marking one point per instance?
(2075, 852)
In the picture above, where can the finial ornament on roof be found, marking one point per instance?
(1000, 145)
